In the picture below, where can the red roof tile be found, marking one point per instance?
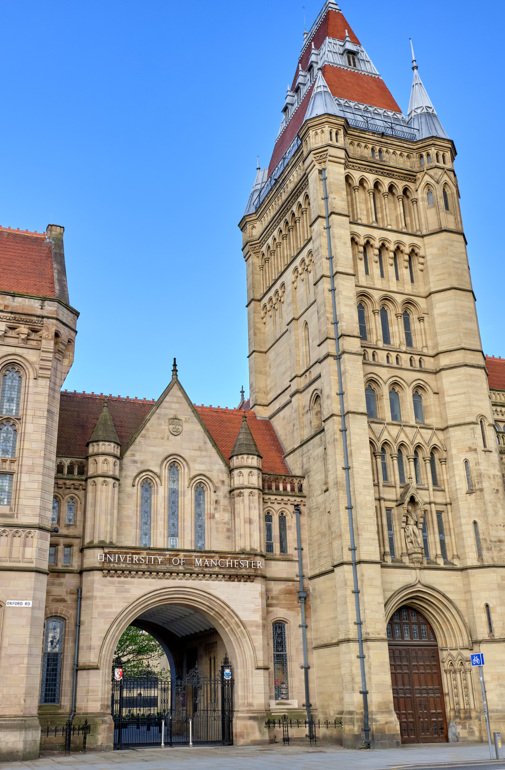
(288, 135)
(496, 372)
(79, 413)
(333, 25)
(359, 87)
(26, 263)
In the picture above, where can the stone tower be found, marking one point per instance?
(365, 353)
(37, 330)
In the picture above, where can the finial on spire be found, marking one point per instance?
(174, 369)
(258, 165)
(414, 62)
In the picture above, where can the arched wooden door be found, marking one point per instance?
(417, 682)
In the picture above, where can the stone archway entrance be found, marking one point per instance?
(194, 704)
(416, 677)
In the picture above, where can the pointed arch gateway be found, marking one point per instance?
(422, 622)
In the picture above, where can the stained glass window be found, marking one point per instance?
(10, 392)
(173, 505)
(269, 533)
(281, 686)
(8, 438)
(51, 660)
(146, 495)
(5, 488)
(199, 517)
(71, 511)
(55, 513)
(283, 533)
(391, 532)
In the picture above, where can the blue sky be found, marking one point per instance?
(136, 125)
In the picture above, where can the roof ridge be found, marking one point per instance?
(18, 231)
(108, 396)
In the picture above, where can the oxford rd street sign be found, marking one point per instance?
(477, 659)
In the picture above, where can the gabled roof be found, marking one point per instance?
(80, 412)
(495, 372)
(32, 263)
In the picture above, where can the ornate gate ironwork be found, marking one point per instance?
(150, 711)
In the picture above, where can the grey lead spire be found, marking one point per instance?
(422, 115)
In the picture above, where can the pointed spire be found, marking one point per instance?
(105, 430)
(245, 443)
(174, 369)
(322, 101)
(422, 114)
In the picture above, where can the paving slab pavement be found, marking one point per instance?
(269, 757)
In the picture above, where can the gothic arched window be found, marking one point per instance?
(394, 405)
(269, 533)
(395, 266)
(445, 195)
(429, 197)
(478, 542)
(281, 685)
(417, 401)
(55, 513)
(146, 504)
(433, 469)
(384, 465)
(283, 533)
(386, 334)
(468, 474)
(51, 660)
(401, 466)
(407, 329)
(363, 332)
(8, 439)
(200, 517)
(71, 511)
(371, 401)
(173, 505)
(417, 467)
(10, 393)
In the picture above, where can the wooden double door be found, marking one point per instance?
(417, 682)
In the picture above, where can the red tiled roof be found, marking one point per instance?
(359, 87)
(224, 425)
(26, 263)
(288, 135)
(79, 413)
(333, 25)
(345, 84)
(496, 372)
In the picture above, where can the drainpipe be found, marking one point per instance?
(347, 471)
(76, 654)
(302, 598)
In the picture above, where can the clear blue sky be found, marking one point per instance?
(136, 125)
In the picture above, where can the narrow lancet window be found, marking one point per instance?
(8, 439)
(173, 505)
(51, 660)
(281, 685)
(10, 392)
(146, 503)
(200, 517)
(283, 533)
(269, 533)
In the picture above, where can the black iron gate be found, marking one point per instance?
(149, 711)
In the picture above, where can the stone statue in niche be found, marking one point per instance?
(411, 524)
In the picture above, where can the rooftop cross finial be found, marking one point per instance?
(174, 369)
(414, 61)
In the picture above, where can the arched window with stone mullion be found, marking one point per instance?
(10, 391)
(200, 517)
(173, 505)
(146, 505)
(8, 439)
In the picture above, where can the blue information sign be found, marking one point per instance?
(477, 659)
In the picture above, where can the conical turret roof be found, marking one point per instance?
(321, 101)
(422, 115)
(245, 443)
(105, 430)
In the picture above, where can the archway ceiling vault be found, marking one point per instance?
(181, 621)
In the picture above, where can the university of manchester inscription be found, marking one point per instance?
(187, 561)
